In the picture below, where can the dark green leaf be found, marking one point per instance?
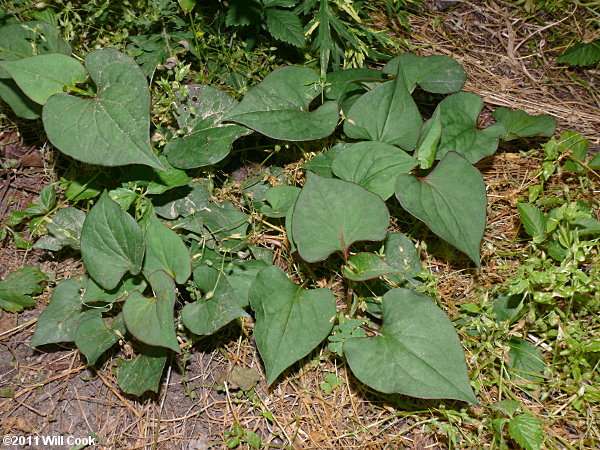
(520, 124)
(534, 221)
(96, 335)
(182, 201)
(143, 373)
(366, 266)
(166, 251)
(64, 228)
(285, 26)
(281, 199)
(526, 360)
(527, 431)
(18, 287)
(581, 54)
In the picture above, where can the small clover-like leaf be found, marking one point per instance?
(332, 214)
(290, 321)
(278, 107)
(112, 128)
(418, 348)
(451, 200)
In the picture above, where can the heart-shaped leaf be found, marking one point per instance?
(220, 305)
(111, 129)
(40, 77)
(342, 83)
(281, 199)
(63, 315)
(226, 223)
(150, 319)
(143, 373)
(95, 336)
(155, 181)
(373, 165)
(451, 200)
(22, 40)
(278, 107)
(387, 113)
(182, 201)
(459, 128)
(418, 348)
(429, 139)
(332, 214)
(520, 124)
(436, 73)
(18, 287)
(96, 294)
(366, 266)
(166, 251)
(64, 229)
(321, 164)
(208, 140)
(290, 321)
(112, 243)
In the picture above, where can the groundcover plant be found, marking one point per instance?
(162, 230)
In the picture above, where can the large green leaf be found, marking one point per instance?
(520, 124)
(42, 76)
(63, 315)
(111, 129)
(166, 251)
(343, 83)
(388, 114)
(96, 335)
(208, 140)
(182, 201)
(459, 128)
(64, 228)
(451, 200)
(366, 266)
(332, 214)
(150, 319)
(281, 199)
(22, 40)
(111, 243)
(436, 73)
(373, 165)
(220, 305)
(18, 287)
(155, 181)
(95, 294)
(527, 431)
(290, 321)
(142, 373)
(226, 224)
(278, 107)
(416, 351)
(581, 54)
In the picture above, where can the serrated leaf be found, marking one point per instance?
(112, 243)
(581, 54)
(281, 199)
(527, 431)
(182, 201)
(18, 287)
(65, 230)
(63, 315)
(451, 200)
(111, 129)
(143, 373)
(285, 26)
(290, 321)
(220, 306)
(208, 140)
(165, 251)
(459, 128)
(436, 73)
(387, 113)
(373, 165)
(520, 124)
(150, 319)
(332, 214)
(42, 76)
(96, 335)
(534, 221)
(526, 360)
(278, 107)
(418, 348)
(243, 13)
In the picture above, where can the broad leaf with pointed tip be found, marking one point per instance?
(96, 335)
(111, 129)
(332, 214)
(208, 140)
(150, 319)
(366, 266)
(42, 76)
(142, 373)
(112, 243)
(63, 315)
(459, 128)
(436, 73)
(220, 306)
(278, 107)
(182, 201)
(21, 40)
(166, 251)
(520, 124)
(290, 321)
(387, 113)
(416, 351)
(429, 139)
(281, 199)
(373, 165)
(451, 200)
